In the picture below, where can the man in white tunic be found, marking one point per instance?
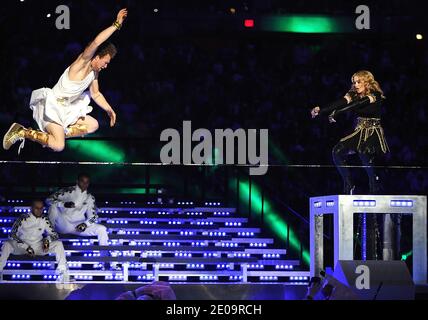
(62, 112)
(32, 234)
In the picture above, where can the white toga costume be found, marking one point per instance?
(65, 220)
(64, 104)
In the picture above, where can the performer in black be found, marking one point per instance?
(368, 140)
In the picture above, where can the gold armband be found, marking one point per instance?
(117, 25)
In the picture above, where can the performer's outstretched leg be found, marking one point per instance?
(54, 138)
(339, 153)
(18, 132)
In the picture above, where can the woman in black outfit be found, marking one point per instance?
(368, 140)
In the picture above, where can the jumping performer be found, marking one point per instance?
(62, 112)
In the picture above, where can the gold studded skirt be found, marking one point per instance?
(368, 137)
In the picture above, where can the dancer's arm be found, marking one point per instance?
(59, 198)
(52, 235)
(101, 101)
(15, 228)
(356, 104)
(90, 50)
(340, 103)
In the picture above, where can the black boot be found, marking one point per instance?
(339, 153)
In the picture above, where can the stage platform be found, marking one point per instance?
(182, 242)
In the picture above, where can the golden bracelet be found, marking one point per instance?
(117, 25)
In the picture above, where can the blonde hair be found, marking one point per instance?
(372, 85)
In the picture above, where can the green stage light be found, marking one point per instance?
(306, 24)
(274, 220)
(277, 153)
(97, 150)
(404, 256)
(132, 190)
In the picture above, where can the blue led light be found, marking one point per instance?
(317, 204)
(330, 203)
(364, 203)
(401, 203)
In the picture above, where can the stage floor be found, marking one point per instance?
(183, 291)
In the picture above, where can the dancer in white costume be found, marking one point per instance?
(32, 234)
(73, 211)
(62, 112)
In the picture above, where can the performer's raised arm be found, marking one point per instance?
(91, 49)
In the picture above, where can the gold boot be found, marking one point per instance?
(19, 132)
(76, 130)
(15, 133)
(37, 136)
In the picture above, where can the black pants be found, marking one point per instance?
(340, 154)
